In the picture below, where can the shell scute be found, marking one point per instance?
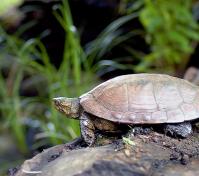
(136, 118)
(175, 115)
(188, 91)
(189, 111)
(143, 98)
(114, 98)
(167, 94)
(141, 95)
(159, 117)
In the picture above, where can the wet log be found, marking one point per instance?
(151, 154)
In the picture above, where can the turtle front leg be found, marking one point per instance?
(181, 129)
(87, 129)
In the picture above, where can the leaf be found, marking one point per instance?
(7, 5)
(128, 141)
(105, 41)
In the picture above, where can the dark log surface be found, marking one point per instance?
(152, 154)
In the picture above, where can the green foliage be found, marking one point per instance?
(6, 5)
(72, 45)
(170, 32)
(10, 105)
(110, 37)
(26, 65)
(128, 141)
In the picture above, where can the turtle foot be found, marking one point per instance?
(182, 130)
(87, 130)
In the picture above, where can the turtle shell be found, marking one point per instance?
(143, 98)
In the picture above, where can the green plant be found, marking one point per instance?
(73, 54)
(170, 31)
(112, 36)
(10, 106)
(128, 141)
(33, 68)
(8, 5)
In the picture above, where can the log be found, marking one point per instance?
(139, 155)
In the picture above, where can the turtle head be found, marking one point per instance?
(68, 106)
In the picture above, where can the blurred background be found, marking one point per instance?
(51, 48)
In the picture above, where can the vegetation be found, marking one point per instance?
(171, 32)
(8, 5)
(29, 60)
(169, 29)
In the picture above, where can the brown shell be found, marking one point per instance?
(143, 98)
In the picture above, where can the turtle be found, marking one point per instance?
(134, 99)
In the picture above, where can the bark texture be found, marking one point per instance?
(141, 155)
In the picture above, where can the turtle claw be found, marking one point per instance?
(88, 137)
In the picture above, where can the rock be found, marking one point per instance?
(148, 154)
